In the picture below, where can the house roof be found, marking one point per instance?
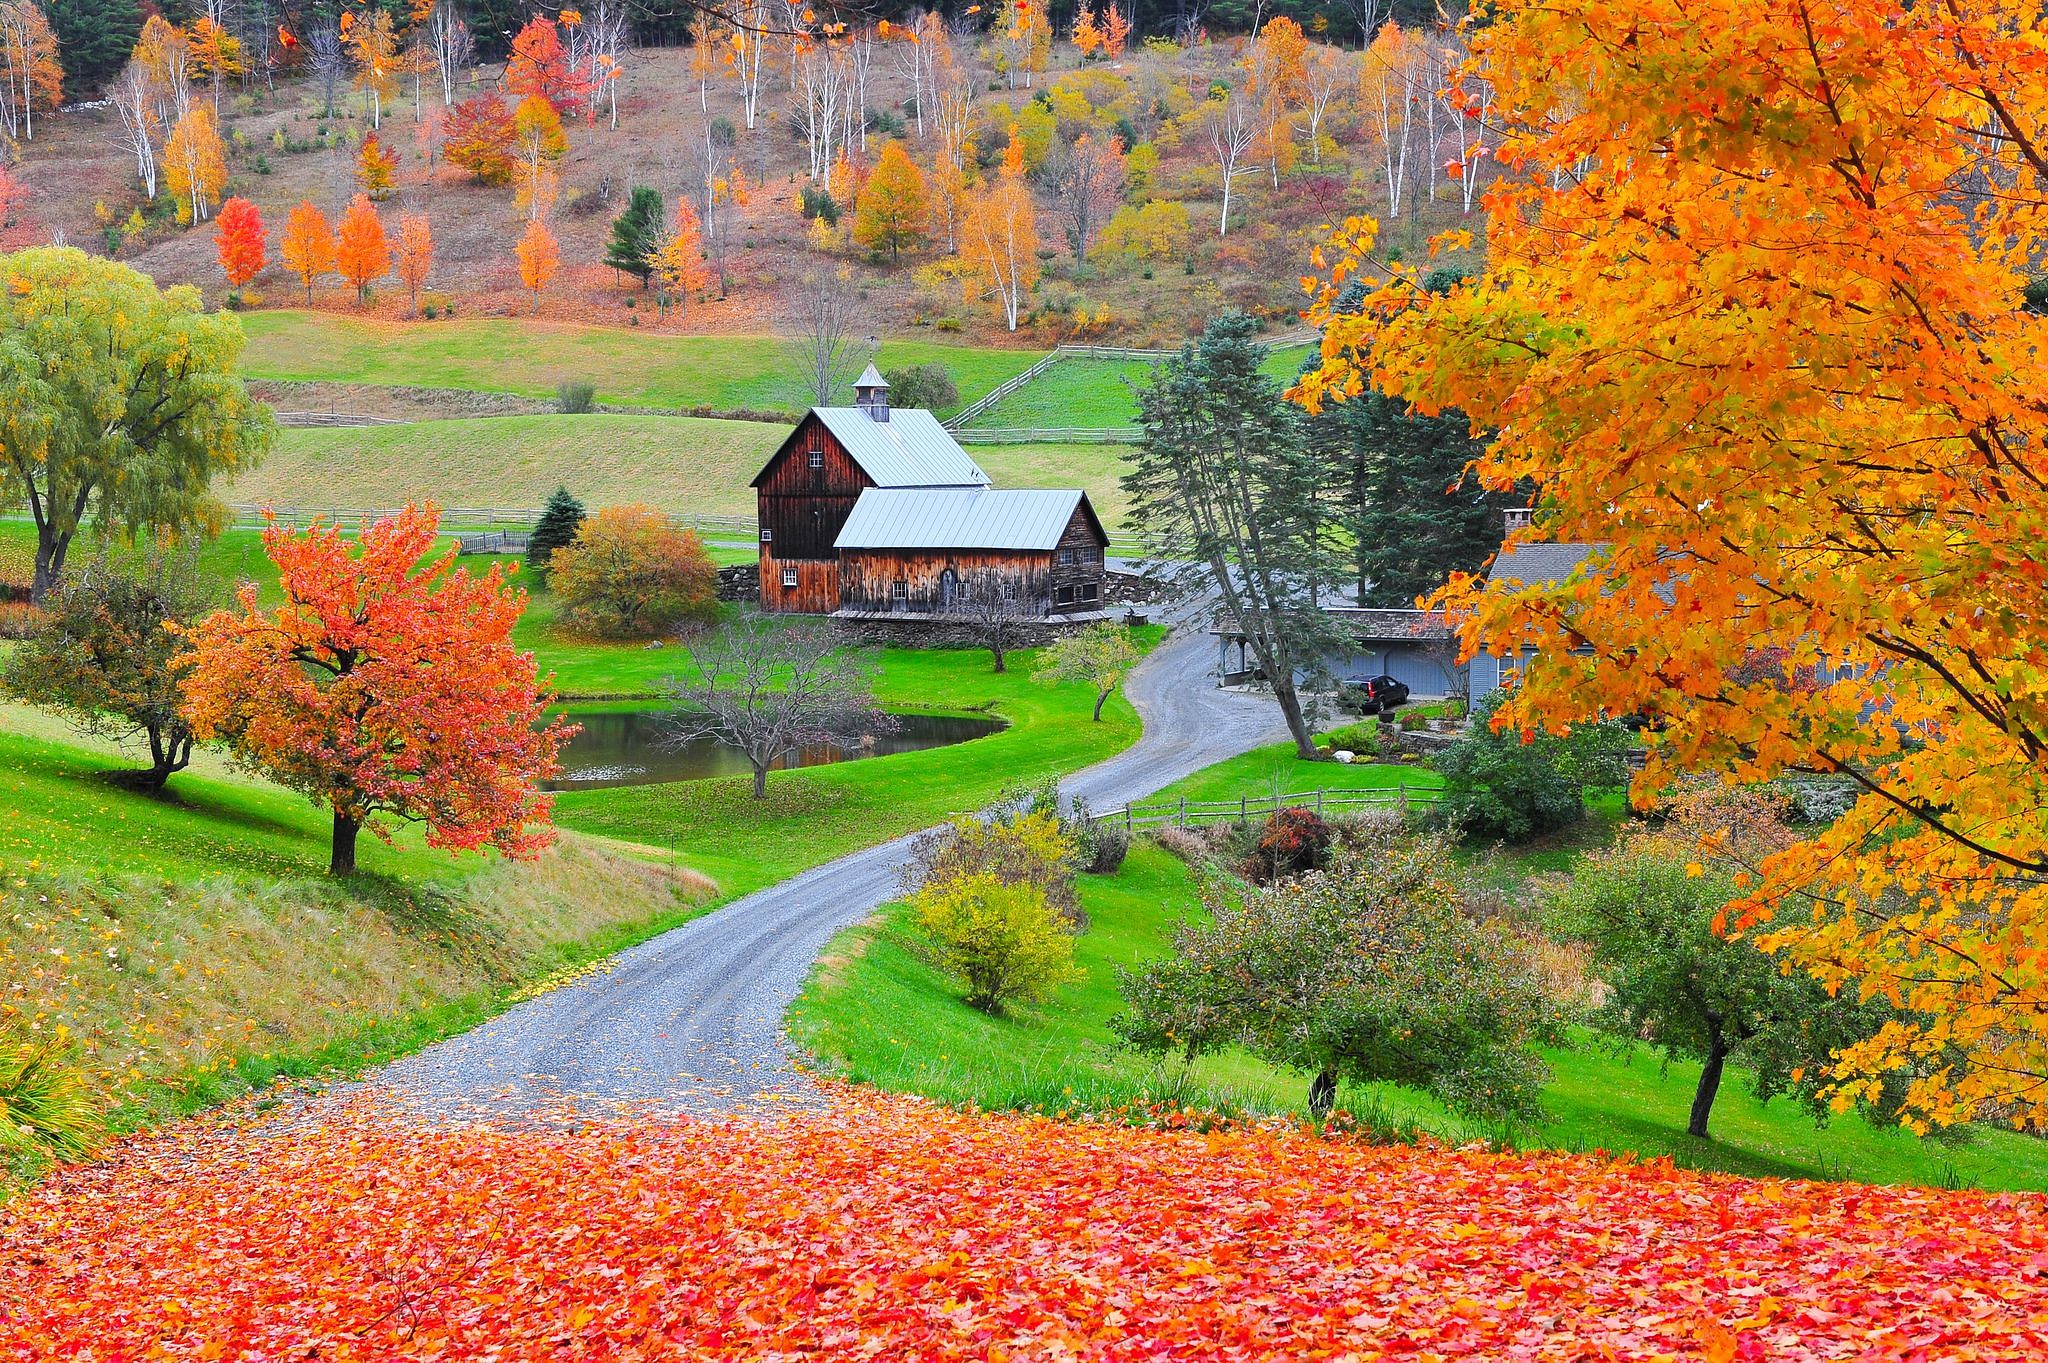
(910, 449)
(870, 377)
(1539, 565)
(962, 518)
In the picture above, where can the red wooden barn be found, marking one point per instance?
(865, 510)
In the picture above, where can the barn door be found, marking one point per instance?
(949, 583)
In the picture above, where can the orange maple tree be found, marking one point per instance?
(541, 65)
(679, 268)
(1754, 323)
(307, 249)
(894, 210)
(539, 258)
(478, 137)
(881, 1228)
(383, 687)
(361, 254)
(238, 237)
(414, 258)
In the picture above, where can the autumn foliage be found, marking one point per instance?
(239, 238)
(882, 1228)
(361, 254)
(385, 688)
(540, 65)
(1751, 318)
(478, 138)
(415, 254)
(631, 573)
(308, 246)
(539, 258)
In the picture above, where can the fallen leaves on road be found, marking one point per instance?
(887, 1228)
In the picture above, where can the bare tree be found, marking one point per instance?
(996, 610)
(1086, 177)
(820, 74)
(327, 61)
(454, 50)
(1325, 73)
(822, 333)
(1231, 128)
(771, 688)
(598, 47)
(130, 95)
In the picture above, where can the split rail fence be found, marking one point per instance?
(455, 519)
(1185, 813)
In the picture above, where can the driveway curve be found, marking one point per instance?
(692, 1021)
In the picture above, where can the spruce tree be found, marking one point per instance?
(559, 521)
(637, 234)
(94, 38)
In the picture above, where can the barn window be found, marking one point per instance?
(1066, 558)
(789, 577)
(1063, 595)
(899, 594)
(817, 459)
(766, 534)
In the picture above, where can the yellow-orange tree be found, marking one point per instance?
(1753, 317)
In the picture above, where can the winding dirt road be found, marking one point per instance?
(692, 1021)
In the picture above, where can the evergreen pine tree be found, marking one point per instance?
(637, 234)
(559, 521)
(94, 38)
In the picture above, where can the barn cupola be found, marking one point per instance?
(871, 394)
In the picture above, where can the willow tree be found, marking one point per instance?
(119, 404)
(1752, 319)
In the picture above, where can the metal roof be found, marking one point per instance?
(870, 377)
(1539, 565)
(949, 518)
(910, 449)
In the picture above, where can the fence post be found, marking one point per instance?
(1181, 819)
(1319, 802)
(1127, 818)
(1401, 795)
(1243, 814)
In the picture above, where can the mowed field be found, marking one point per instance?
(1094, 394)
(629, 367)
(686, 465)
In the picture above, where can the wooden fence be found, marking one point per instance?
(1049, 435)
(1184, 813)
(334, 419)
(455, 518)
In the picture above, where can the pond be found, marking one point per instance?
(624, 748)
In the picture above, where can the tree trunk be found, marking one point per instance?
(342, 862)
(1710, 1084)
(165, 759)
(760, 783)
(1322, 1094)
(1101, 699)
(1297, 723)
(995, 648)
(49, 564)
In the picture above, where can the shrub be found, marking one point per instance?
(629, 573)
(723, 133)
(886, 122)
(1361, 737)
(1505, 786)
(1372, 971)
(818, 204)
(1102, 845)
(19, 620)
(1003, 939)
(1160, 230)
(575, 397)
(928, 386)
(46, 1109)
(1293, 841)
(1023, 847)
(1184, 843)
(1412, 720)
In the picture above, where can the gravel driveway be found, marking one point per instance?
(692, 1020)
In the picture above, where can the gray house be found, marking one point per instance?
(1528, 565)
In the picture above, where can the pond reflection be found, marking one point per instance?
(624, 748)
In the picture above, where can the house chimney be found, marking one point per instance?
(871, 394)
(1517, 518)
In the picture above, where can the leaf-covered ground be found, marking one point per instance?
(883, 1228)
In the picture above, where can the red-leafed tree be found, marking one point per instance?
(384, 687)
(541, 65)
(479, 139)
(240, 240)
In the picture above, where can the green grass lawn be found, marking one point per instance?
(813, 815)
(1092, 394)
(629, 367)
(1275, 770)
(680, 464)
(1097, 470)
(877, 1012)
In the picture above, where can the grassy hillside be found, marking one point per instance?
(190, 946)
(1097, 393)
(629, 367)
(681, 464)
(877, 1011)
